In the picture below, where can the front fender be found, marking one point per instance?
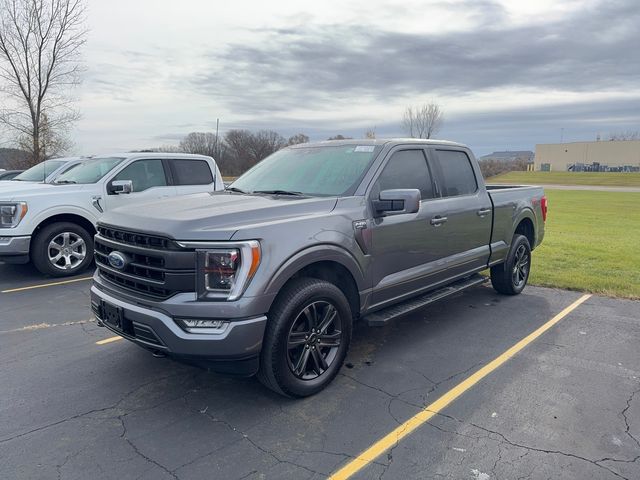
(308, 256)
(43, 215)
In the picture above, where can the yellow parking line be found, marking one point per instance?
(109, 340)
(43, 285)
(394, 437)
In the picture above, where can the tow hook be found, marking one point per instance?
(158, 354)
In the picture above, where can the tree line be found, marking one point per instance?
(237, 150)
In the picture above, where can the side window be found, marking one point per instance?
(456, 173)
(144, 174)
(406, 169)
(191, 172)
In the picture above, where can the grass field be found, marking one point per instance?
(569, 178)
(592, 243)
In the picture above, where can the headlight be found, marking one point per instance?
(12, 213)
(224, 273)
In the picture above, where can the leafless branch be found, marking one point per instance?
(40, 42)
(423, 121)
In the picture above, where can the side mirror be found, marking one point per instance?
(393, 202)
(121, 187)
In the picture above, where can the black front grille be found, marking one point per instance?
(137, 239)
(155, 267)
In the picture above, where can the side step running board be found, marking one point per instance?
(384, 316)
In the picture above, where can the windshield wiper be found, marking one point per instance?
(280, 192)
(234, 189)
(65, 182)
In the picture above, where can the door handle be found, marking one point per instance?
(483, 212)
(438, 220)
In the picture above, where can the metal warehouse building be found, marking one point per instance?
(603, 156)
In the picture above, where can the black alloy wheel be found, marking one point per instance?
(510, 277)
(521, 266)
(314, 339)
(306, 338)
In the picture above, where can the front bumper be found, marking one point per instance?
(234, 350)
(14, 249)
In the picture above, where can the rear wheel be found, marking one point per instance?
(510, 277)
(62, 249)
(307, 338)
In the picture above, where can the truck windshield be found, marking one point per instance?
(89, 171)
(39, 172)
(316, 171)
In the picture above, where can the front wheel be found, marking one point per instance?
(510, 277)
(62, 249)
(307, 338)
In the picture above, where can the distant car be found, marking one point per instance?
(9, 174)
(44, 172)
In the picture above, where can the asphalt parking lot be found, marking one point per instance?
(565, 406)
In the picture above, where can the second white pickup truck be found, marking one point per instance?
(53, 224)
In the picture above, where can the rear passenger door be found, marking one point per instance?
(465, 207)
(191, 175)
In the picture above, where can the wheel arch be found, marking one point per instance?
(327, 262)
(66, 217)
(525, 225)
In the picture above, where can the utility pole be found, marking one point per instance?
(217, 140)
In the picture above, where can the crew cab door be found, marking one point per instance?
(464, 207)
(405, 248)
(150, 181)
(192, 175)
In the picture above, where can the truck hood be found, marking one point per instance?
(24, 191)
(214, 216)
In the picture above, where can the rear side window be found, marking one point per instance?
(456, 173)
(407, 169)
(191, 172)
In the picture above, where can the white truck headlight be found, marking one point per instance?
(224, 273)
(12, 213)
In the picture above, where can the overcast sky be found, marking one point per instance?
(508, 74)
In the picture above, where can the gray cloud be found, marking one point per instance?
(516, 128)
(594, 49)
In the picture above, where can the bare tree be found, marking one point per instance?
(40, 42)
(370, 133)
(625, 135)
(339, 137)
(298, 138)
(203, 143)
(264, 143)
(237, 158)
(423, 121)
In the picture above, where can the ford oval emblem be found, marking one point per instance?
(118, 260)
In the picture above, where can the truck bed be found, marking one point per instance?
(509, 202)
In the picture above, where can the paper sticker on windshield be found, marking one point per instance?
(364, 148)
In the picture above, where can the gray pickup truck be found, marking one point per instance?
(268, 276)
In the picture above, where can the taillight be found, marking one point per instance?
(543, 206)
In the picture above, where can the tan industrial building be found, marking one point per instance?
(589, 156)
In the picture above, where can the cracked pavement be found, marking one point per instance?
(566, 407)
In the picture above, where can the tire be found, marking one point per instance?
(510, 277)
(71, 244)
(291, 336)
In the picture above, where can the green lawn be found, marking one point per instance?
(569, 178)
(592, 243)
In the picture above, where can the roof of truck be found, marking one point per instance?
(149, 155)
(379, 141)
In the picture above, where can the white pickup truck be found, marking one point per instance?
(53, 224)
